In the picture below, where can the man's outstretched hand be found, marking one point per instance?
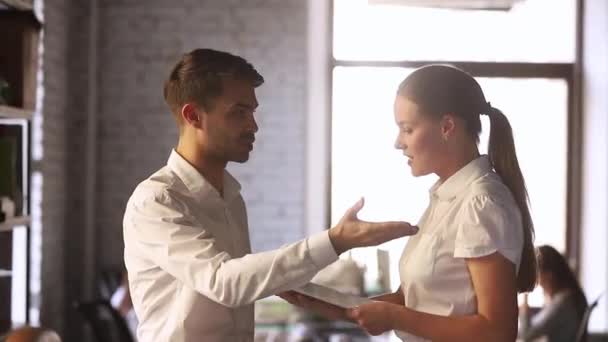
(351, 232)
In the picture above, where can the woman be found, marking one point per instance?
(461, 274)
(565, 302)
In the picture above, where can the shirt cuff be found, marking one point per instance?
(321, 250)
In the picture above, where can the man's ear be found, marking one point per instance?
(448, 125)
(191, 115)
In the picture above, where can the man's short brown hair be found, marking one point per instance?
(197, 77)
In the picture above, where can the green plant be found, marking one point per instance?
(5, 92)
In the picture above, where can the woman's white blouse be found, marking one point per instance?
(472, 214)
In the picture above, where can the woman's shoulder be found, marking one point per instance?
(490, 187)
(566, 297)
(489, 213)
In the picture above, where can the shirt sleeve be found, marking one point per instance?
(487, 226)
(161, 232)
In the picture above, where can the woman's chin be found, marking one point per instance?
(414, 172)
(417, 172)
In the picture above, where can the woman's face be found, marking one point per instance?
(419, 137)
(544, 279)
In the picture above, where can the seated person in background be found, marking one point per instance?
(32, 334)
(565, 302)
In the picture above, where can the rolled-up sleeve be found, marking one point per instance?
(159, 229)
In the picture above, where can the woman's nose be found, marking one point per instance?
(398, 144)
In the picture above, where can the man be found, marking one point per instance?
(191, 274)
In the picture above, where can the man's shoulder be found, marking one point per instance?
(160, 186)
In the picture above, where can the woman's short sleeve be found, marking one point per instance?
(485, 226)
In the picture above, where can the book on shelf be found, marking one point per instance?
(12, 162)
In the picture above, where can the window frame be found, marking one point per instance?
(569, 72)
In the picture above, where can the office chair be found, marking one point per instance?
(581, 335)
(107, 323)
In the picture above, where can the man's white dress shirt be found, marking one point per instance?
(187, 251)
(472, 214)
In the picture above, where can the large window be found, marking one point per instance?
(376, 46)
(539, 31)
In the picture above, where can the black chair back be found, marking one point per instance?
(109, 281)
(581, 335)
(107, 323)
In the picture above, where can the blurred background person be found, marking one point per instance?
(565, 303)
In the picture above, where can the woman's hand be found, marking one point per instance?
(312, 304)
(375, 317)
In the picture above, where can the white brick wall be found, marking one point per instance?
(54, 166)
(64, 127)
(139, 42)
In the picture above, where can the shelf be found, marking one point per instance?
(8, 112)
(13, 222)
(20, 5)
(20, 30)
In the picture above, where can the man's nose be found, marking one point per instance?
(254, 125)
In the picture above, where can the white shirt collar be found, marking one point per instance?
(461, 179)
(197, 184)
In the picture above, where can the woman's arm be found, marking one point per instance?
(395, 297)
(494, 281)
